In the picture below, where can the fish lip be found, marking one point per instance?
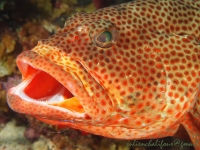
(14, 99)
(20, 105)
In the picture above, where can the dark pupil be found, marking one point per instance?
(104, 37)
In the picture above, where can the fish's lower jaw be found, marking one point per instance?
(24, 104)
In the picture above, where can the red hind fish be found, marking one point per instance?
(130, 71)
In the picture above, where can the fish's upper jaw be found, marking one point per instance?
(47, 89)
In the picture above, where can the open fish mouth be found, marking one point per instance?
(42, 87)
(55, 91)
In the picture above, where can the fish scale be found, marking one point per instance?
(134, 68)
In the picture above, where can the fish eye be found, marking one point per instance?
(104, 38)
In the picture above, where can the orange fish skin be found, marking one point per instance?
(131, 70)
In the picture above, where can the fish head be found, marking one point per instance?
(104, 74)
